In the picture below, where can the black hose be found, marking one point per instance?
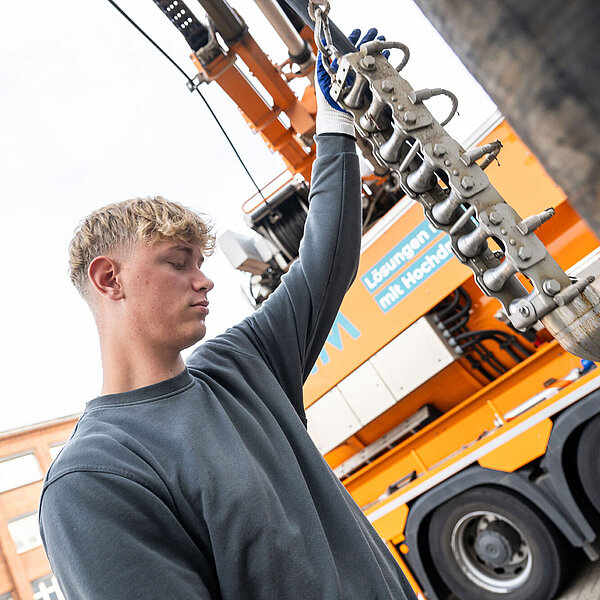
(454, 318)
(464, 310)
(458, 325)
(489, 357)
(484, 354)
(506, 347)
(480, 333)
(505, 344)
(475, 364)
(444, 311)
(499, 335)
(515, 342)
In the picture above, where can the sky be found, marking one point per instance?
(91, 113)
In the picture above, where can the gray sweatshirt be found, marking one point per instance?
(207, 485)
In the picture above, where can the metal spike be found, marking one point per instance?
(372, 120)
(355, 96)
(473, 243)
(495, 279)
(534, 221)
(421, 180)
(474, 154)
(443, 211)
(390, 151)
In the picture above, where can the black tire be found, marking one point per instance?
(588, 461)
(489, 544)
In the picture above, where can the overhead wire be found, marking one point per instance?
(192, 86)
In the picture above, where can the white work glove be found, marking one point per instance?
(331, 117)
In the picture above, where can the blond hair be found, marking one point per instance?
(117, 227)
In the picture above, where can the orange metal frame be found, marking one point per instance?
(262, 117)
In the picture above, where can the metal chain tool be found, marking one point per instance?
(456, 195)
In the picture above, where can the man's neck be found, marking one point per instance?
(125, 369)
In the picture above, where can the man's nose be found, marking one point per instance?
(202, 282)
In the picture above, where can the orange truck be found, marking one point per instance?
(470, 445)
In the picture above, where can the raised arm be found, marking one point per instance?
(290, 328)
(292, 325)
(107, 536)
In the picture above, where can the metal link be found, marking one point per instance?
(318, 11)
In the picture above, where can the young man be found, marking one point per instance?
(201, 482)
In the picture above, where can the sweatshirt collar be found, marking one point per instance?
(149, 392)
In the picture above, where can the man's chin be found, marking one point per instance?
(194, 338)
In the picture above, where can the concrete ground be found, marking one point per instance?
(585, 583)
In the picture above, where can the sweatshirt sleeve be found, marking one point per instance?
(107, 536)
(291, 327)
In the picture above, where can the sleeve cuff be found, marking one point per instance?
(335, 143)
(330, 120)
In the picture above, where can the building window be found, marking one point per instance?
(54, 450)
(46, 588)
(18, 471)
(6, 597)
(25, 532)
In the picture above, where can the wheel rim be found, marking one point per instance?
(491, 551)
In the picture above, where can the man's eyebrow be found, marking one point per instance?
(187, 249)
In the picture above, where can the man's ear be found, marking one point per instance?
(103, 273)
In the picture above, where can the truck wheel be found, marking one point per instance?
(588, 465)
(488, 544)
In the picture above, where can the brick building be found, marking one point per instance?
(25, 455)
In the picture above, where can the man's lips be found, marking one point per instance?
(201, 306)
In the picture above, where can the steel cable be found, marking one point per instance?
(191, 86)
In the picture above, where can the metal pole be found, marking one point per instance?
(227, 22)
(298, 48)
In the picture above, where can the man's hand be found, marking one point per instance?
(331, 117)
